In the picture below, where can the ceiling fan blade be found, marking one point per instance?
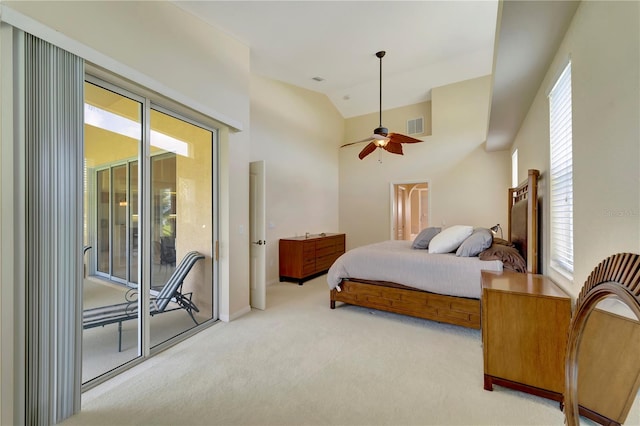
(368, 139)
(400, 138)
(367, 150)
(393, 147)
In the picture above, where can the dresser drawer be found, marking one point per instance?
(309, 267)
(309, 249)
(309, 259)
(324, 243)
(323, 263)
(324, 251)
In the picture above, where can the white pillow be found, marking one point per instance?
(449, 239)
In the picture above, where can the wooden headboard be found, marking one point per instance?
(523, 219)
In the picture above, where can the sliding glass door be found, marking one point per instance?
(117, 215)
(181, 213)
(112, 141)
(149, 227)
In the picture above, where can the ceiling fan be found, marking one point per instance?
(381, 137)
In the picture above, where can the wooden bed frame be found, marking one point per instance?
(400, 299)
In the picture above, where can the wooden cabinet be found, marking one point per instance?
(525, 323)
(303, 258)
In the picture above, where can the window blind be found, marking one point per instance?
(514, 169)
(54, 149)
(561, 155)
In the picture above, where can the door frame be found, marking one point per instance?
(392, 201)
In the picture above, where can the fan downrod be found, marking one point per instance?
(380, 55)
(390, 142)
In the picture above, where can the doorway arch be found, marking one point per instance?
(410, 208)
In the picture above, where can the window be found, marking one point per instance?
(561, 182)
(514, 168)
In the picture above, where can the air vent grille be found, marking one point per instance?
(415, 126)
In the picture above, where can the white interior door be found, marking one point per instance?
(257, 235)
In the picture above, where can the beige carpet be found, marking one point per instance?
(301, 363)
(100, 345)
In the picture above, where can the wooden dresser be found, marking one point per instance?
(525, 323)
(303, 258)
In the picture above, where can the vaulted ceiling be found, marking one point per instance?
(428, 44)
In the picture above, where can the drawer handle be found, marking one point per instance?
(260, 242)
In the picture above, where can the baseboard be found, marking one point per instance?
(236, 315)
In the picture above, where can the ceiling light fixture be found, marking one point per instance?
(381, 137)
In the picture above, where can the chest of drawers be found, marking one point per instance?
(303, 258)
(525, 321)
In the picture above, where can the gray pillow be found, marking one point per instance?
(477, 242)
(424, 237)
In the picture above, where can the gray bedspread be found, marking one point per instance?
(395, 261)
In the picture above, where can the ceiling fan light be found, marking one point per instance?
(380, 140)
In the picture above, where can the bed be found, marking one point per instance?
(453, 295)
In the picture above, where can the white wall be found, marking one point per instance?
(603, 42)
(297, 133)
(467, 185)
(159, 45)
